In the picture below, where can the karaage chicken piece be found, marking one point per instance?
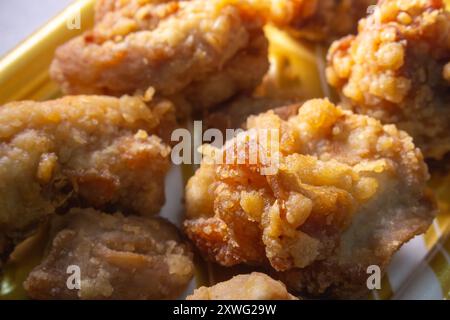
(234, 115)
(6, 247)
(397, 69)
(85, 150)
(118, 258)
(316, 20)
(254, 286)
(332, 19)
(192, 51)
(326, 195)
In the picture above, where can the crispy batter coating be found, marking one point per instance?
(196, 51)
(119, 258)
(397, 69)
(347, 193)
(254, 286)
(85, 150)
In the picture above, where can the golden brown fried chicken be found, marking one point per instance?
(343, 192)
(89, 150)
(194, 51)
(254, 286)
(397, 69)
(316, 20)
(118, 258)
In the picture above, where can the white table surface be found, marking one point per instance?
(20, 18)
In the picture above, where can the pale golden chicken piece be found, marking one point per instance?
(196, 52)
(254, 286)
(327, 195)
(118, 258)
(397, 69)
(86, 150)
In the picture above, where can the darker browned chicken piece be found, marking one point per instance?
(234, 115)
(117, 257)
(332, 19)
(397, 69)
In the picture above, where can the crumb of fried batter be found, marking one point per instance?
(118, 258)
(195, 52)
(396, 70)
(254, 286)
(347, 194)
(89, 150)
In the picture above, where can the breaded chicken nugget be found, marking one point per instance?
(88, 150)
(397, 69)
(193, 51)
(254, 286)
(347, 192)
(118, 258)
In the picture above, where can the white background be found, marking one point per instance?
(20, 18)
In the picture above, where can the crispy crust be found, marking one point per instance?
(347, 194)
(85, 150)
(254, 286)
(193, 51)
(397, 69)
(119, 258)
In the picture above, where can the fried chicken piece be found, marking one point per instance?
(332, 19)
(254, 286)
(235, 114)
(192, 51)
(397, 69)
(118, 258)
(343, 192)
(316, 20)
(88, 150)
